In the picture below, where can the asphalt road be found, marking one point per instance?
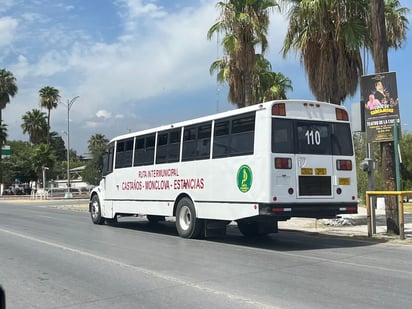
(52, 256)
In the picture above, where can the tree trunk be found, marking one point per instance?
(380, 58)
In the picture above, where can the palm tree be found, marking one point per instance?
(42, 156)
(8, 89)
(328, 35)
(269, 85)
(245, 24)
(396, 23)
(49, 98)
(97, 144)
(388, 29)
(34, 123)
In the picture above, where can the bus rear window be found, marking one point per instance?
(311, 137)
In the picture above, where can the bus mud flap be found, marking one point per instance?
(215, 228)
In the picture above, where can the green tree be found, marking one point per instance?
(58, 146)
(97, 146)
(405, 146)
(8, 89)
(384, 36)
(34, 123)
(49, 98)
(3, 139)
(328, 35)
(245, 24)
(19, 166)
(42, 156)
(269, 85)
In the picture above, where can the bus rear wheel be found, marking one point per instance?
(188, 226)
(96, 211)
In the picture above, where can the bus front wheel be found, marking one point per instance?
(188, 226)
(96, 211)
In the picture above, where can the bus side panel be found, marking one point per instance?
(159, 208)
(226, 211)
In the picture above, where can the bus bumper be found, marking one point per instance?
(317, 211)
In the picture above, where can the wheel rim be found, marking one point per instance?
(95, 209)
(185, 218)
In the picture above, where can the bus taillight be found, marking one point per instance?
(344, 165)
(279, 109)
(341, 114)
(283, 163)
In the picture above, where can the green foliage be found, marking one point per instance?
(34, 123)
(245, 26)
(42, 155)
(18, 166)
(49, 98)
(97, 147)
(92, 174)
(405, 146)
(58, 146)
(8, 88)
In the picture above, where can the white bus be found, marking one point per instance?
(256, 166)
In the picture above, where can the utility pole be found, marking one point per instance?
(69, 106)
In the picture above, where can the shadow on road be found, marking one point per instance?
(285, 240)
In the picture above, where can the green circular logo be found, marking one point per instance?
(244, 178)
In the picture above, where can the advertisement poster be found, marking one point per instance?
(379, 96)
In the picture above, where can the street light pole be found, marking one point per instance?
(69, 105)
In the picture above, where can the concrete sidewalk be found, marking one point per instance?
(350, 225)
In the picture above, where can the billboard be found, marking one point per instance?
(379, 96)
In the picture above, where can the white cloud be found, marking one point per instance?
(8, 27)
(104, 114)
(157, 54)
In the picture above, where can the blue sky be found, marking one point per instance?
(134, 64)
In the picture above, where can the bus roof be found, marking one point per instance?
(234, 112)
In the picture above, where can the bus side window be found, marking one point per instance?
(168, 146)
(139, 151)
(150, 146)
(189, 143)
(161, 154)
(196, 142)
(203, 141)
(124, 153)
(144, 150)
(242, 135)
(173, 149)
(108, 160)
(221, 139)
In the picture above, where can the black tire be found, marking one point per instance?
(96, 211)
(248, 228)
(187, 224)
(155, 219)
